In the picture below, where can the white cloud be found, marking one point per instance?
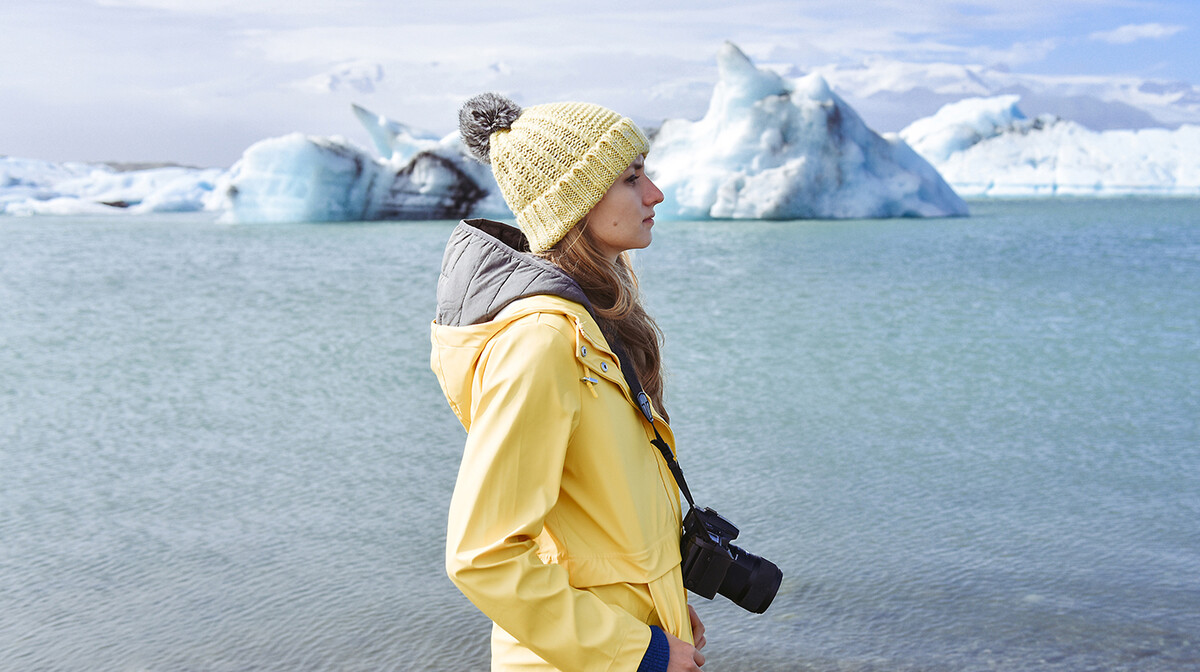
(1134, 32)
(225, 8)
(1020, 53)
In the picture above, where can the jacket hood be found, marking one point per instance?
(487, 265)
(486, 269)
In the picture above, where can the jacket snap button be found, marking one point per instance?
(583, 350)
(604, 366)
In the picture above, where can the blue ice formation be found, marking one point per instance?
(773, 148)
(300, 178)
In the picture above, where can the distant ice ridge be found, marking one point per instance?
(770, 148)
(892, 94)
(32, 187)
(987, 147)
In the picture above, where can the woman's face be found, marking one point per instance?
(623, 217)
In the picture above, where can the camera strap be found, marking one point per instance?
(635, 387)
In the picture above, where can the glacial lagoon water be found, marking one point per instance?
(971, 444)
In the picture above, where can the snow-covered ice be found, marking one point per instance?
(32, 187)
(987, 147)
(960, 125)
(773, 148)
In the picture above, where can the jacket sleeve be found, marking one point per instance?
(526, 407)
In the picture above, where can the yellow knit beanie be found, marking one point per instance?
(553, 162)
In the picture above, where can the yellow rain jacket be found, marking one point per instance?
(564, 525)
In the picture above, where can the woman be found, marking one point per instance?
(565, 521)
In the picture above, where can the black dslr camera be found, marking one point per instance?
(711, 564)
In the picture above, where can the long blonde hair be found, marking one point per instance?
(612, 287)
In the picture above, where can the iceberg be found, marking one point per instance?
(987, 147)
(773, 148)
(960, 125)
(32, 187)
(303, 178)
(393, 140)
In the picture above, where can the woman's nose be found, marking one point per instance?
(653, 195)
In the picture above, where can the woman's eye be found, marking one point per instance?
(633, 178)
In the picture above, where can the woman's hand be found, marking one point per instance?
(684, 656)
(697, 628)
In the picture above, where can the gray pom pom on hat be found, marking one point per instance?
(482, 116)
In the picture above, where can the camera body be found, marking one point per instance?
(711, 564)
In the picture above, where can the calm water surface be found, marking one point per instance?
(971, 444)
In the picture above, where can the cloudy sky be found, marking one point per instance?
(197, 81)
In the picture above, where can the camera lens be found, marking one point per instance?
(751, 581)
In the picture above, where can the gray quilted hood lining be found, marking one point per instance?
(487, 265)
